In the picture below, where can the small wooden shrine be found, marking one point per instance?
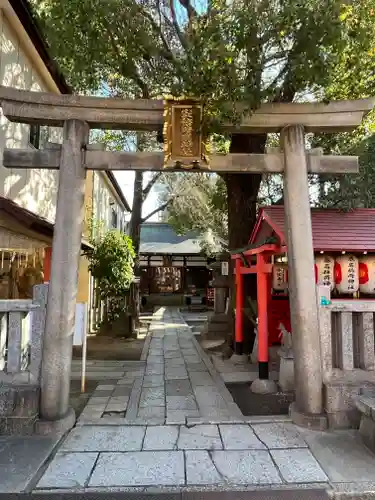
(344, 254)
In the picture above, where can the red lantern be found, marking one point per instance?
(367, 275)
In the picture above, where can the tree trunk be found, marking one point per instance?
(135, 234)
(242, 210)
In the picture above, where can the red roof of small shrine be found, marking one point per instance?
(333, 229)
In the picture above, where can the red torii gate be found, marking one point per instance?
(263, 269)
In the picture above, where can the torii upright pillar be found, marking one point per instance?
(58, 339)
(302, 291)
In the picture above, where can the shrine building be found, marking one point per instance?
(344, 253)
(173, 267)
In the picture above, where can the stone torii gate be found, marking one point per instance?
(77, 114)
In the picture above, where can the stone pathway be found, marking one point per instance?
(169, 423)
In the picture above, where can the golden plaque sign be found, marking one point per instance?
(184, 145)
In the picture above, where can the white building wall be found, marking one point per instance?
(104, 202)
(34, 189)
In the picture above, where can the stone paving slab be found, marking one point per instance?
(161, 438)
(298, 466)
(69, 470)
(246, 467)
(278, 435)
(200, 469)
(204, 437)
(239, 437)
(20, 459)
(97, 438)
(134, 469)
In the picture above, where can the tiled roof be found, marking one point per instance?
(333, 229)
(161, 238)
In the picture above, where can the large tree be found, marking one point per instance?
(352, 77)
(222, 52)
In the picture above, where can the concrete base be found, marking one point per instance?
(263, 386)
(311, 421)
(60, 427)
(239, 359)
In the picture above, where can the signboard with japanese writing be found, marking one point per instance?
(224, 268)
(347, 274)
(324, 270)
(280, 277)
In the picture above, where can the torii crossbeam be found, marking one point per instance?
(77, 114)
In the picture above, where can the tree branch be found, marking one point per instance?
(159, 209)
(176, 26)
(192, 13)
(131, 70)
(150, 185)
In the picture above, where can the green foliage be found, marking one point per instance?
(249, 50)
(350, 191)
(200, 204)
(111, 263)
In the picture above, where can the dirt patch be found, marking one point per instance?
(260, 404)
(77, 399)
(109, 348)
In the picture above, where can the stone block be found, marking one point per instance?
(161, 438)
(176, 373)
(181, 403)
(349, 419)
(286, 377)
(200, 437)
(340, 397)
(178, 388)
(151, 412)
(201, 378)
(153, 380)
(298, 466)
(179, 417)
(200, 468)
(367, 432)
(17, 426)
(239, 437)
(19, 401)
(68, 470)
(366, 405)
(253, 467)
(20, 460)
(279, 435)
(104, 438)
(147, 468)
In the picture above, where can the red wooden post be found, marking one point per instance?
(262, 294)
(239, 306)
(47, 264)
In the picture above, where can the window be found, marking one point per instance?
(34, 138)
(114, 217)
(38, 136)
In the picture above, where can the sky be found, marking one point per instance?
(126, 181)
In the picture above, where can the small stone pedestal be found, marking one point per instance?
(239, 359)
(286, 376)
(263, 386)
